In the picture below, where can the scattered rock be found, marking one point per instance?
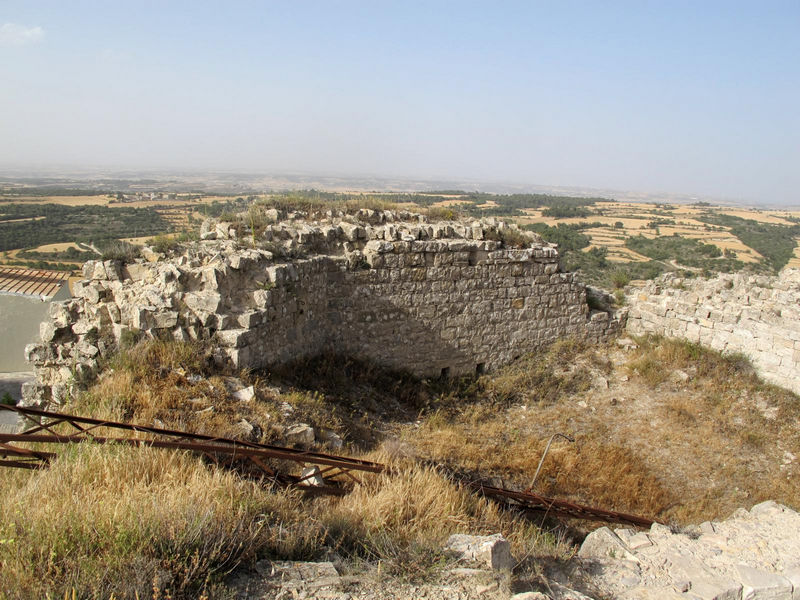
(679, 376)
(744, 557)
(491, 550)
(298, 577)
(330, 438)
(245, 394)
(245, 426)
(301, 434)
(312, 476)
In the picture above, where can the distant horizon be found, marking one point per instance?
(355, 182)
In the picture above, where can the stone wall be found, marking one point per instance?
(754, 315)
(431, 298)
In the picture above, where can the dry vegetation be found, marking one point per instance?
(666, 429)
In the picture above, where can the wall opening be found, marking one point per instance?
(445, 373)
(480, 368)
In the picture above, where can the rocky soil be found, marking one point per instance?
(753, 555)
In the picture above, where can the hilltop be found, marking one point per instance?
(662, 427)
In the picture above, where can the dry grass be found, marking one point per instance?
(543, 377)
(117, 520)
(485, 444)
(499, 426)
(403, 520)
(737, 426)
(124, 521)
(149, 523)
(653, 445)
(107, 520)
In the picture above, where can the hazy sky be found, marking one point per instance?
(698, 97)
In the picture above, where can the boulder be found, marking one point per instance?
(301, 434)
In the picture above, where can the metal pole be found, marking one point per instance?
(546, 449)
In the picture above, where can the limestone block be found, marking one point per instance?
(652, 593)
(299, 434)
(312, 476)
(353, 232)
(206, 302)
(704, 583)
(164, 319)
(223, 230)
(245, 394)
(48, 332)
(249, 319)
(232, 338)
(87, 349)
(760, 585)
(792, 574)
(40, 354)
(604, 543)
(491, 550)
(301, 579)
(89, 291)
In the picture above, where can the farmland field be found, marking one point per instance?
(599, 236)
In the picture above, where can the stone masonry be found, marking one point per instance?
(756, 315)
(446, 298)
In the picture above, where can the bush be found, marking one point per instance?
(122, 251)
(164, 243)
(620, 279)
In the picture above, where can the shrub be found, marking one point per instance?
(442, 213)
(122, 251)
(164, 243)
(620, 279)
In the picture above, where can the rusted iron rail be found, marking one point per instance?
(248, 458)
(255, 460)
(528, 501)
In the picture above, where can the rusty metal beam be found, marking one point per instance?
(250, 459)
(534, 502)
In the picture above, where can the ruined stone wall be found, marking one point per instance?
(756, 315)
(432, 299)
(457, 308)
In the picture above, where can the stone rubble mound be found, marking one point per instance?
(754, 555)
